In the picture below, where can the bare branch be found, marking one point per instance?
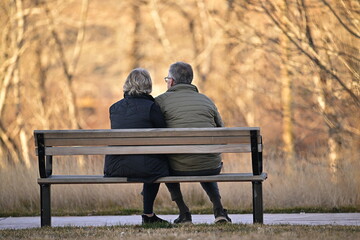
(310, 53)
(165, 42)
(340, 20)
(58, 43)
(10, 145)
(79, 38)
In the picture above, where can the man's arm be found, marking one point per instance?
(218, 120)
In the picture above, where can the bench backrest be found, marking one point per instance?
(147, 141)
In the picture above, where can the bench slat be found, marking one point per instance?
(146, 141)
(99, 179)
(201, 149)
(153, 132)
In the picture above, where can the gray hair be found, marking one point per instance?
(138, 82)
(181, 72)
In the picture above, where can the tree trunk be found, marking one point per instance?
(326, 103)
(10, 147)
(160, 30)
(40, 80)
(241, 105)
(287, 99)
(135, 55)
(203, 68)
(16, 34)
(334, 127)
(20, 120)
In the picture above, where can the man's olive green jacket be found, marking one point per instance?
(184, 107)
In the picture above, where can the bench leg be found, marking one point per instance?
(45, 204)
(258, 214)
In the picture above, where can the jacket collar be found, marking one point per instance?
(182, 86)
(143, 96)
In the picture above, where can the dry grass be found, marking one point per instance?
(310, 186)
(209, 232)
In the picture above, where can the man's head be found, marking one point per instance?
(138, 82)
(179, 72)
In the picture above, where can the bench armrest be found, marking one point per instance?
(256, 155)
(45, 162)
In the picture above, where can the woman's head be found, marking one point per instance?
(138, 82)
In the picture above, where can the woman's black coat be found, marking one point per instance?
(136, 112)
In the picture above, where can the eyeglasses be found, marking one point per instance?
(167, 79)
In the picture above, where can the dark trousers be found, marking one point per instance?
(211, 188)
(150, 191)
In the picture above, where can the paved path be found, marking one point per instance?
(303, 219)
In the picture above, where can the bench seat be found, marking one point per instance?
(98, 179)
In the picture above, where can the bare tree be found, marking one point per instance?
(290, 71)
(14, 32)
(291, 30)
(320, 53)
(69, 66)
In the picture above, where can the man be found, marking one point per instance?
(183, 106)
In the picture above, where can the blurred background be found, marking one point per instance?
(291, 67)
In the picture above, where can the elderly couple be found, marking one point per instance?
(180, 106)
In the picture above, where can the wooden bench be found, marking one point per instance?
(51, 143)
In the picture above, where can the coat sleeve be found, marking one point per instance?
(218, 120)
(156, 116)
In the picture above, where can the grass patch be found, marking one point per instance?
(349, 209)
(309, 189)
(203, 231)
(158, 225)
(115, 211)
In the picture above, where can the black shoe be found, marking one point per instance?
(184, 218)
(153, 219)
(221, 216)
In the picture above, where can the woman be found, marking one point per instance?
(138, 110)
